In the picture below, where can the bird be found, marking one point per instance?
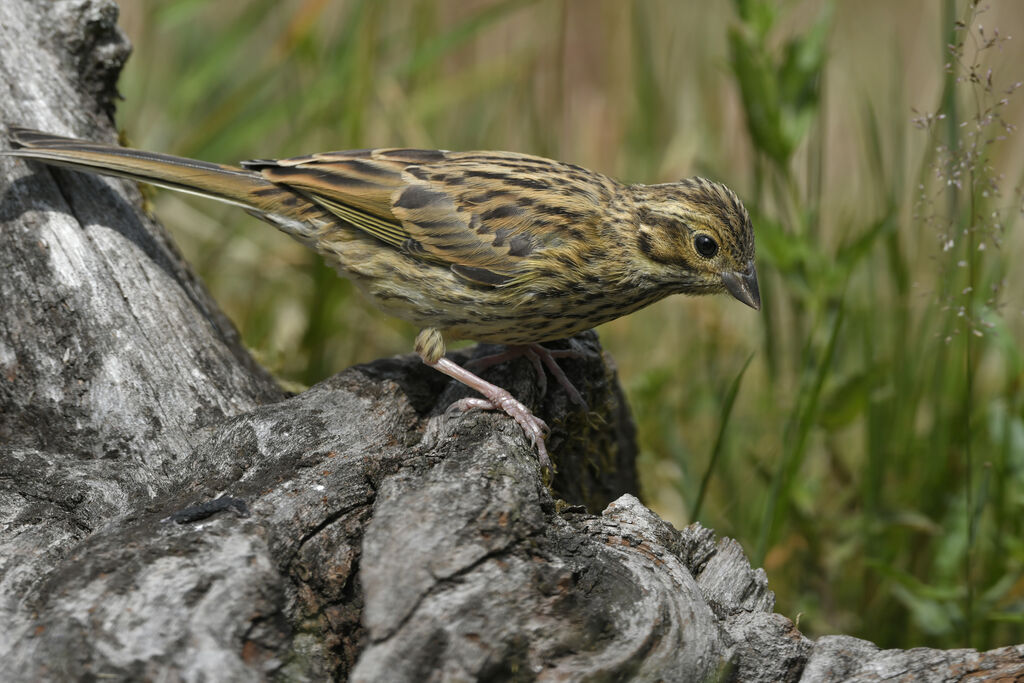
(496, 247)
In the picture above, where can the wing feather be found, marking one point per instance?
(489, 217)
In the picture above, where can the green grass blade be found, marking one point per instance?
(723, 424)
(795, 446)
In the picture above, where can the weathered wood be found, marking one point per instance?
(387, 540)
(112, 356)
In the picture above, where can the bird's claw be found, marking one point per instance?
(534, 427)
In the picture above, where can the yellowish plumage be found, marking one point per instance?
(491, 246)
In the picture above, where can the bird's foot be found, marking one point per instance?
(496, 398)
(534, 427)
(540, 357)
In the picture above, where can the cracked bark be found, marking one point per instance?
(385, 542)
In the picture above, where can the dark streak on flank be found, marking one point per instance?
(480, 275)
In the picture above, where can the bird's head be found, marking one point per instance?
(695, 236)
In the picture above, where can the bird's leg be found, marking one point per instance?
(496, 398)
(511, 353)
(541, 358)
(547, 356)
(430, 347)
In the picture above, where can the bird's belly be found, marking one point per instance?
(431, 296)
(501, 317)
(486, 316)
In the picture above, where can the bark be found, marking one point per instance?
(386, 540)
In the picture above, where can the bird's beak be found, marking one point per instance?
(743, 286)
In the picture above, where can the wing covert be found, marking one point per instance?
(487, 216)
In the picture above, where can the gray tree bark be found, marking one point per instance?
(386, 540)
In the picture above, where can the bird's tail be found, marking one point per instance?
(231, 184)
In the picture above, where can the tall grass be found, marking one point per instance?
(872, 458)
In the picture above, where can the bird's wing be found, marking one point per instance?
(488, 216)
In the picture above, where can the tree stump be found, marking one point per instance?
(365, 533)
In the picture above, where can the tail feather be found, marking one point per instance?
(230, 184)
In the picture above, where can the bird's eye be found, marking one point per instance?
(705, 246)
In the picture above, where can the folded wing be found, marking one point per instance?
(489, 217)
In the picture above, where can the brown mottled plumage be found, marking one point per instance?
(491, 246)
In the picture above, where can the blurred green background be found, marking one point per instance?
(873, 458)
